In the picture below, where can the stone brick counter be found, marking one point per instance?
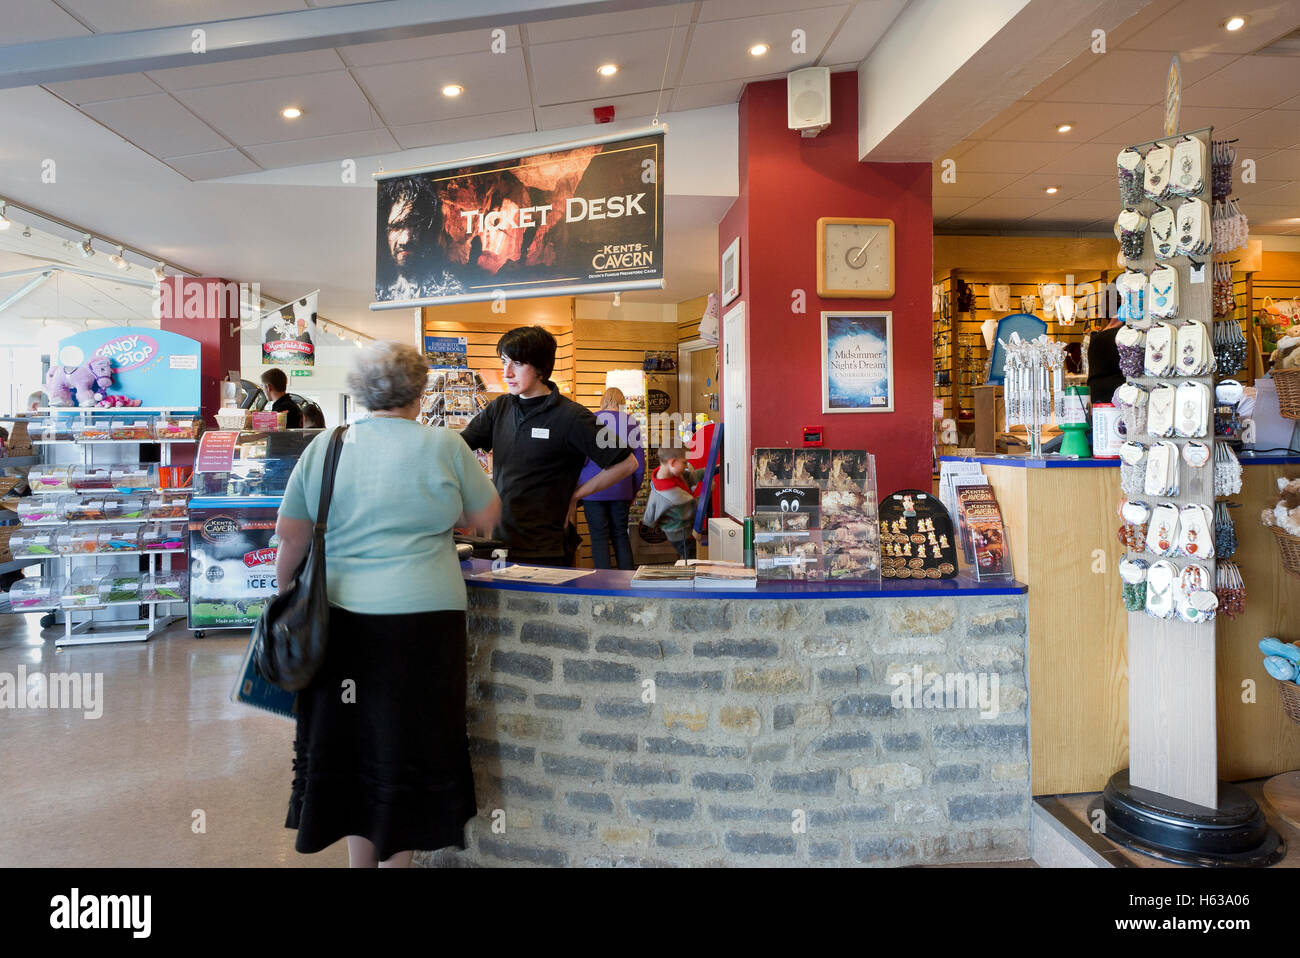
(614, 730)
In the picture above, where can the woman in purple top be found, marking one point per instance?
(607, 510)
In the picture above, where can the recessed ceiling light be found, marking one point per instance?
(452, 89)
(1233, 24)
(607, 69)
(758, 49)
(1065, 128)
(291, 113)
(1052, 189)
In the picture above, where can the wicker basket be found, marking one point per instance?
(1289, 546)
(1290, 699)
(7, 484)
(232, 419)
(1287, 382)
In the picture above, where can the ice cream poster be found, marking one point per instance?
(289, 333)
(857, 362)
(585, 216)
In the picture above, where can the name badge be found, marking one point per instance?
(541, 433)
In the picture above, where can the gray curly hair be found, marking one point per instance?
(387, 375)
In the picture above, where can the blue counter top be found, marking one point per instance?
(1068, 462)
(616, 582)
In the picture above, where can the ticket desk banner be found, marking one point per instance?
(579, 217)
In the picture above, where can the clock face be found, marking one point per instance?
(857, 259)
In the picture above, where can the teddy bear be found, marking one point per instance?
(89, 382)
(1287, 354)
(1285, 512)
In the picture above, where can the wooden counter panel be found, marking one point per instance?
(1257, 739)
(1078, 669)
(1078, 630)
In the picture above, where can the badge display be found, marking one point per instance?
(916, 537)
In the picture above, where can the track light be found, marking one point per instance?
(4, 220)
(87, 250)
(118, 260)
(158, 273)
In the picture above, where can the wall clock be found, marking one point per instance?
(855, 258)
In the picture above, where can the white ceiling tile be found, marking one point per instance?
(944, 207)
(577, 114)
(565, 72)
(604, 24)
(464, 129)
(157, 124)
(116, 16)
(1274, 194)
(211, 166)
(1150, 123)
(1291, 104)
(104, 88)
(1197, 25)
(1006, 116)
(1070, 186)
(707, 94)
(971, 185)
(1254, 81)
(735, 9)
(1126, 76)
(250, 112)
(424, 48)
(1039, 122)
(410, 92)
(866, 24)
(720, 49)
(1277, 129)
(1085, 158)
(1009, 156)
(30, 21)
(322, 149)
(1272, 218)
(242, 71)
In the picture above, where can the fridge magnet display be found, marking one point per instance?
(857, 362)
(916, 537)
(289, 333)
(787, 540)
(577, 217)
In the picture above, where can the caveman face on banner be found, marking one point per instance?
(289, 333)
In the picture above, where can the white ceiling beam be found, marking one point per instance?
(980, 58)
(110, 54)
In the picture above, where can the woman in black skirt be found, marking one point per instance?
(381, 753)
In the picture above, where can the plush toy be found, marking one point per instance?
(1285, 511)
(88, 381)
(1287, 354)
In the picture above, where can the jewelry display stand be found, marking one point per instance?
(1170, 803)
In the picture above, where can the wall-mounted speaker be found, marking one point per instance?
(808, 100)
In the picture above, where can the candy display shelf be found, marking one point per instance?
(85, 625)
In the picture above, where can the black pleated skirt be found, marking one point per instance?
(381, 749)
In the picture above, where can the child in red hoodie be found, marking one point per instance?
(671, 503)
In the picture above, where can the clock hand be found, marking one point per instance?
(856, 258)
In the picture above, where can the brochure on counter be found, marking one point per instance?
(541, 575)
(695, 574)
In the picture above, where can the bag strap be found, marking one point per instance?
(332, 455)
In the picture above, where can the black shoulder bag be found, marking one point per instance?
(289, 638)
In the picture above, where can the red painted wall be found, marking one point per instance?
(206, 309)
(786, 183)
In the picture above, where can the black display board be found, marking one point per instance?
(916, 537)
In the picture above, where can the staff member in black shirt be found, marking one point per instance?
(1104, 375)
(540, 441)
(276, 386)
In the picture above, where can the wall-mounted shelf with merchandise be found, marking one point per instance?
(84, 516)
